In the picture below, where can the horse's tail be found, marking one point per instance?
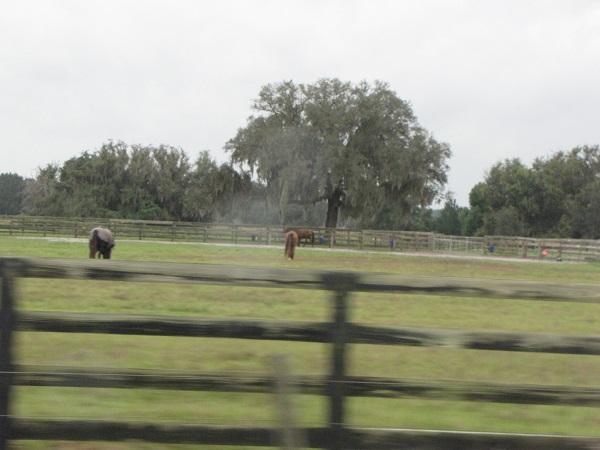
(291, 240)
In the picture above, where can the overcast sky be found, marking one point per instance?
(493, 79)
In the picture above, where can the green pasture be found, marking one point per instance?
(243, 356)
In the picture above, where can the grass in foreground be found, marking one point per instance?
(222, 355)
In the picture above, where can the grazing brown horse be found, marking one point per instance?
(291, 241)
(303, 233)
(101, 242)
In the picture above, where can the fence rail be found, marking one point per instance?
(392, 439)
(390, 240)
(355, 386)
(337, 386)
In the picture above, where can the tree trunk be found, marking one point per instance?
(334, 202)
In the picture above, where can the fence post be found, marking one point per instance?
(7, 320)
(360, 237)
(268, 235)
(340, 284)
(290, 437)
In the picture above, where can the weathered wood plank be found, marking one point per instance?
(354, 386)
(304, 331)
(171, 326)
(140, 271)
(373, 439)
(7, 311)
(88, 430)
(481, 288)
(382, 439)
(307, 279)
(340, 337)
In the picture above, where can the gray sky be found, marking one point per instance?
(494, 79)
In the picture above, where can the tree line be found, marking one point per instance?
(324, 154)
(136, 182)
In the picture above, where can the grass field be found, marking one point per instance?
(222, 355)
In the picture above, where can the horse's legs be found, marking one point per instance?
(93, 250)
(293, 244)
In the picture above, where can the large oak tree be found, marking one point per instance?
(357, 147)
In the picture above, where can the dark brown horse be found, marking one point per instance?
(101, 243)
(303, 233)
(291, 241)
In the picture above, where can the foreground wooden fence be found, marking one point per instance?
(390, 240)
(339, 332)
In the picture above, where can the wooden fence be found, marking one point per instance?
(339, 332)
(389, 240)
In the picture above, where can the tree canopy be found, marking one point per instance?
(556, 196)
(11, 193)
(356, 146)
(136, 182)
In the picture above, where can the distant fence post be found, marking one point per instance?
(340, 284)
(7, 320)
(560, 248)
